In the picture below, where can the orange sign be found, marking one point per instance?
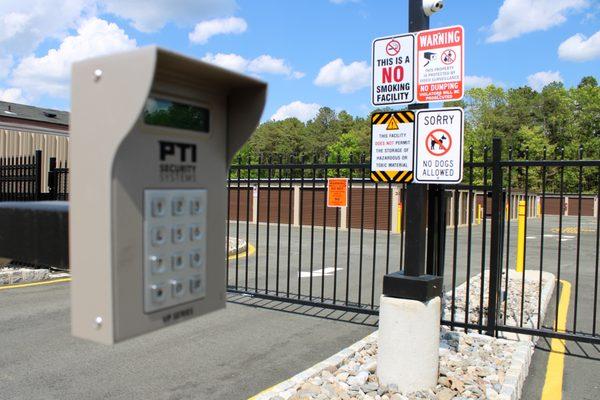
(337, 192)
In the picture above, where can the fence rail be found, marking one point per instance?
(304, 252)
(21, 179)
(508, 212)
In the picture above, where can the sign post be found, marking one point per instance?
(408, 358)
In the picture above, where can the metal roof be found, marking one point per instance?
(31, 113)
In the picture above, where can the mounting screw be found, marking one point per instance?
(97, 75)
(98, 323)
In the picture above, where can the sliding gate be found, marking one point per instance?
(510, 211)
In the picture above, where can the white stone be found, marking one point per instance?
(409, 343)
(359, 379)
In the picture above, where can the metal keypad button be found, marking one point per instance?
(157, 235)
(177, 261)
(157, 264)
(178, 234)
(178, 206)
(196, 259)
(196, 206)
(157, 293)
(158, 207)
(177, 288)
(195, 284)
(195, 232)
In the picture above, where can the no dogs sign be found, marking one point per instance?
(439, 146)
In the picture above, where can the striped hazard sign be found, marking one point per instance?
(392, 176)
(392, 136)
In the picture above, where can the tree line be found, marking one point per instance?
(554, 123)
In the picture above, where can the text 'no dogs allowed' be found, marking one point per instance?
(439, 146)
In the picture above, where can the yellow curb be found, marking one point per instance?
(553, 384)
(22, 285)
(249, 252)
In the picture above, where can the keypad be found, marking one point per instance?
(174, 247)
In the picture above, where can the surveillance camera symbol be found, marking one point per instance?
(429, 56)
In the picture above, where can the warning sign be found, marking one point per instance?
(392, 141)
(393, 70)
(439, 146)
(440, 64)
(337, 192)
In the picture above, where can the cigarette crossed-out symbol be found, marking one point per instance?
(392, 48)
(438, 142)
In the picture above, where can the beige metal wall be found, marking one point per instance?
(14, 143)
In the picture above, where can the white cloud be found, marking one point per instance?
(540, 79)
(347, 78)
(472, 81)
(270, 65)
(12, 95)
(150, 16)
(219, 26)
(297, 109)
(6, 64)
(24, 24)
(231, 61)
(49, 74)
(517, 17)
(580, 48)
(264, 64)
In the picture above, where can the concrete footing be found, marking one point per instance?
(409, 342)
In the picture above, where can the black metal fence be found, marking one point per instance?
(21, 179)
(301, 251)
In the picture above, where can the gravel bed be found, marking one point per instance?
(513, 299)
(472, 366)
(10, 275)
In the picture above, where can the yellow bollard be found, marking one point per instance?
(479, 213)
(399, 219)
(521, 237)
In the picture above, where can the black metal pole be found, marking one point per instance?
(38, 174)
(413, 282)
(416, 195)
(496, 235)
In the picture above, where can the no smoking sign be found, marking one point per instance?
(393, 70)
(439, 146)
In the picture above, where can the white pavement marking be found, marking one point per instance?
(563, 238)
(329, 271)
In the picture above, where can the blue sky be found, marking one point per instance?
(312, 53)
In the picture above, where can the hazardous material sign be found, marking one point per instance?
(439, 146)
(440, 64)
(392, 141)
(337, 192)
(393, 70)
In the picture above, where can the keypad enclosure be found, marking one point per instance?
(174, 247)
